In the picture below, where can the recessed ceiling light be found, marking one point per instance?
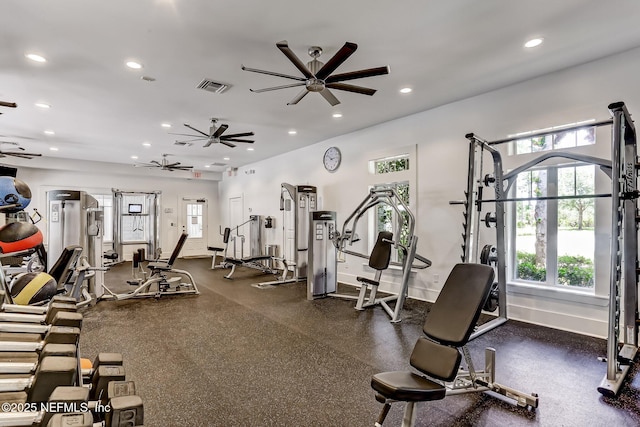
(133, 64)
(166, 125)
(146, 144)
(207, 166)
(49, 132)
(35, 57)
(406, 90)
(534, 42)
(292, 132)
(53, 148)
(42, 105)
(134, 157)
(250, 149)
(337, 115)
(226, 158)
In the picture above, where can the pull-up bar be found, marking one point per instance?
(606, 122)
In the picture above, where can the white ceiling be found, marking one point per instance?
(101, 110)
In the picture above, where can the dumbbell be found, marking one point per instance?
(125, 408)
(12, 313)
(27, 362)
(61, 318)
(19, 342)
(51, 372)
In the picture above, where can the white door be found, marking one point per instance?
(194, 222)
(235, 219)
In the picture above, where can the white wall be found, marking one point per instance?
(571, 95)
(95, 177)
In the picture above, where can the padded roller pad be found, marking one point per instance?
(407, 386)
(215, 249)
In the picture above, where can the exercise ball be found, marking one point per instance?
(19, 236)
(13, 191)
(32, 288)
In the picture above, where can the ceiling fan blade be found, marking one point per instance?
(181, 168)
(331, 99)
(237, 135)
(248, 141)
(272, 73)
(228, 144)
(155, 162)
(195, 139)
(22, 155)
(209, 142)
(298, 97)
(184, 134)
(284, 48)
(199, 131)
(220, 130)
(360, 74)
(276, 88)
(352, 88)
(336, 60)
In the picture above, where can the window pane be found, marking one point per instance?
(531, 225)
(564, 140)
(523, 146)
(586, 136)
(194, 220)
(576, 234)
(540, 144)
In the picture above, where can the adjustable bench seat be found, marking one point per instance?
(436, 356)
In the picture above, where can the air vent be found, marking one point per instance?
(183, 144)
(211, 86)
(218, 164)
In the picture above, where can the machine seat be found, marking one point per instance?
(367, 281)
(407, 386)
(215, 249)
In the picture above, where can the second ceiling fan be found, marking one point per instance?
(318, 76)
(215, 135)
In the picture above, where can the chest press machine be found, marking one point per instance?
(437, 356)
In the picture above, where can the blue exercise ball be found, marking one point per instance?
(13, 191)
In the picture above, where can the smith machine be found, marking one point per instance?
(622, 340)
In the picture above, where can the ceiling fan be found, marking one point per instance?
(215, 135)
(17, 152)
(164, 165)
(318, 76)
(8, 104)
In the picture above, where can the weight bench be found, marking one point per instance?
(256, 262)
(437, 356)
(159, 276)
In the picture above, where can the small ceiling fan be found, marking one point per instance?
(164, 165)
(318, 76)
(215, 135)
(16, 152)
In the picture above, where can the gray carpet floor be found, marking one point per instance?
(237, 355)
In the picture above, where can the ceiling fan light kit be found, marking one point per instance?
(318, 76)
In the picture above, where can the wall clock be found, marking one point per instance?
(332, 158)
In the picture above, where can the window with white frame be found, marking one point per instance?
(557, 140)
(386, 218)
(554, 240)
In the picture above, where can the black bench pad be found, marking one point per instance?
(367, 281)
(237, 261)
(407, 386)
(214, 248)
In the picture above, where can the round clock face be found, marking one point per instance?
(332, 159)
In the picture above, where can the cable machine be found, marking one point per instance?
(347, 236)
(623, 171)
(136, 222)
(296, 202)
